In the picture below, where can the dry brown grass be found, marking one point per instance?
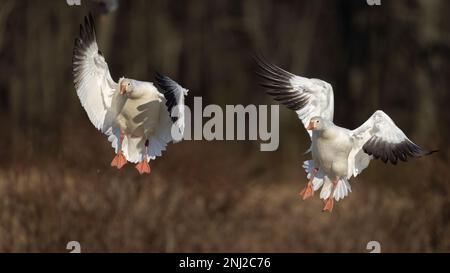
(217, 197)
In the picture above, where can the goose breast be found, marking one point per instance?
(139, 117)
(331, 149)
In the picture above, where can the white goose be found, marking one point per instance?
(337, 153)
(138, 120)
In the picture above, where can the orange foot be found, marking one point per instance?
(119, 161)
(307, 192)
(329, 204)
(143, 167)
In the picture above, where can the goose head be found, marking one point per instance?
(126, 86)
(317, 124)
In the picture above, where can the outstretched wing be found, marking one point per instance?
(174, 94)
(307, 97)
(381, 138)
(93, 82)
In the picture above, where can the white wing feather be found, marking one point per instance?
(307, 97)
(379, 137)
(94, 85)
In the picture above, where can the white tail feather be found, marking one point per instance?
(341, 190)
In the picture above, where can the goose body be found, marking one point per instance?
(136, 116)
(338, 154)
(139, 116)
(331, 148)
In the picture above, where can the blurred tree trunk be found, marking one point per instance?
(428, 34)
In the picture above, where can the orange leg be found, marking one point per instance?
(308, 191)
(119, 160)
(329, 202)
(143, 166)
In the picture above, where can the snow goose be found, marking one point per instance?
(139, 118)
(337, 153)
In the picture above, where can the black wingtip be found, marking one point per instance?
(394, 152)
(261, 61)
(159, 76)
(87, 34)
(165, 83)
(258, 56)
(86, 38)
(277, 83)
(92, 22)
(81, 31)
(87, 29)
(430, 152)
(91, 17)
(168, 88)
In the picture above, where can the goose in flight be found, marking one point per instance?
(139, 118)
(337, 153)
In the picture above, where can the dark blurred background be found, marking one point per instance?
(56, 184)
